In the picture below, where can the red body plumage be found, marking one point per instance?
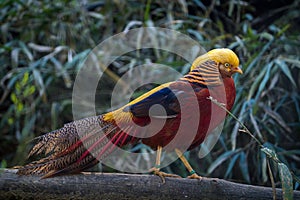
(206, 122)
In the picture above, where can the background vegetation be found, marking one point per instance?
(43, 42)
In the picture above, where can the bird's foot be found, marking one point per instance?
(195, 176)
(162, 175)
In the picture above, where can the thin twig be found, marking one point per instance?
(271, 179)
(246, 130)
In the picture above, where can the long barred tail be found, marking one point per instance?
(77, 146)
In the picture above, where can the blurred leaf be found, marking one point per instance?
(278, 118)
(231, 165)
(225, 156)
(62, 72)
(13, 98)
(183, 6)
(256, 83)
(286, 181)
(266, 78)
(27, 129)
(18, 88)
(255, 125)
(26, 51)
(147, 11)
(293, 61)
(12, 81)
(195, 33)
(20, 106)
(296, 99)
(266, 35)
(283, 66)
(39, 81)
(258, 57)
(264, 166)
(25, 79)
(234, 133)
(54, 115)
(200, 4)
(282, 30)
(40, 48)
(15, 57)
(243, 163)
(29, 90)
(10, 121)
(231, 6)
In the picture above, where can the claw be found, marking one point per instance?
(195, 176)
(162, 175)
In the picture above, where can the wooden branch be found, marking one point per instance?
(126, 186)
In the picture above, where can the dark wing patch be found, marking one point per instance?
(164, 97)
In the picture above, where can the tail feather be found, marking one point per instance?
(76, 146)
(61, 139)
(96, 144)
(52, 162)
(108, 148)
(87, 162)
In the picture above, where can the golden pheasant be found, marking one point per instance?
(68, 151)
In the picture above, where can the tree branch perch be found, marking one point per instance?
(126, 186)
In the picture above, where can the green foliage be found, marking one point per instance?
(284, 172)
(43, 44)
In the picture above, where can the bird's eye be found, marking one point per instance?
(227, 65)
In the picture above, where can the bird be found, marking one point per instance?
(184, 101)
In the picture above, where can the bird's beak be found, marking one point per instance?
(237, 70)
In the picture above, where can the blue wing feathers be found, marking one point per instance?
(164, 97)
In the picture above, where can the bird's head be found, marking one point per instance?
(227, 61)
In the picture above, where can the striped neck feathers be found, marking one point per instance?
(206, 74)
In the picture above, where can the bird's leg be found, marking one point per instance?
(156, 169)
(193, 174)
